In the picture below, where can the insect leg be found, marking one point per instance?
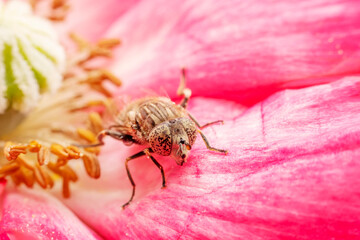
(101, 135)
(139, 154)
(208, 144)
(147, 152)
(182, 90)
(205, 125)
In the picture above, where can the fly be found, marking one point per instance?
(166, 128)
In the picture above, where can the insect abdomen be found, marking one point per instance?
(152, 112)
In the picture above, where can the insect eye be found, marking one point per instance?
(182, 141)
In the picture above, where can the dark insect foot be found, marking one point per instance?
(163, 186)
(125, 205)
(223, 151)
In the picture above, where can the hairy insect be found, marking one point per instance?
(157, 122)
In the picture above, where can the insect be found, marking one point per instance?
(164, 127)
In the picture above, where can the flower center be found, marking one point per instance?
(39, 143)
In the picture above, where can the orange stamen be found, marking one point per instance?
(27, 177)
(74, 152)
(12, 151)
(108, 43)
(86, 134)
(59, 151)
(58, 3)
(40, 176)
(66, 189)
(67, 174)
(92, 165)
(100, 52)
(95, 122)
(99, 88)
(43, 155)
(34, 146)
(8, 169)
(79, 41)
(110, 76)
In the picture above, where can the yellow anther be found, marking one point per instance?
(40, 177)
(95, 76)
(79, 41)
(67, 172)
(34, 146)
(86, 134)
(59, 151)
(49, 180)
(96, 122)
(58, 3)
(101, 89)
(108, 75)
(95, 103)
(100, 52)
(63, 171)
(74, 152)
(12, 151)
(43, 155)
(108, 43)
(27, 177)
(92, 165)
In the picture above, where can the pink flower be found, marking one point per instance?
(283, 77)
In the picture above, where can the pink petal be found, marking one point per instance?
(237, 50)
(292, 173)
(91, 18)
(36, 215)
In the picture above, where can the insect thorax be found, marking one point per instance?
(143, 115)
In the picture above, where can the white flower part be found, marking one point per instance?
(31, 58)
(25, 80)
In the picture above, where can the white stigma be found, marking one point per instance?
(31, 57)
